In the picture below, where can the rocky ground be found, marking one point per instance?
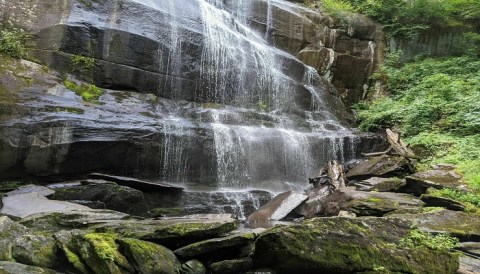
(377, 225)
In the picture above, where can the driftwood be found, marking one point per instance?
(331, 176)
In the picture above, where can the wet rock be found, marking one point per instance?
(31, 200)
(136, 183)
(174, 232)
(37, 250)
(232, 266)
(342, 245)
(433, 201)
(16, 268)
(193, 267)
(10, 231)
(56, 221)
(223, 247)
(379, 166)
(113, 196)
(278, 208)
(149, 258)
(380, 184)
(421, 181)
(469, 265)
(462, 225)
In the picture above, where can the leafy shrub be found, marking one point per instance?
(12, 42)
(434, 103)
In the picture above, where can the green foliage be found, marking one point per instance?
(403, 18)
(12, 42)
(417, 238)
(462, 196)
(467, 44)
(89, 93)
(434, 103)
(340, 9)
(82, 63)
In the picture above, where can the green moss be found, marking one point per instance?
(419, 239)
(374, 200)
(76, 261)
(89, 93)
(12, 42)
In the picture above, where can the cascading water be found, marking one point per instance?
(269, 114)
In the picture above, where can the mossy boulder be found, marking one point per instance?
(232, 266)
(193, 267)
(174, 232)
(434, 201)
(149, 258)
(462, 225)
(231, 245)
(9, 232)
(37, 250)
(101, 253)
(115, 197)
(341, 245)
(17, 268)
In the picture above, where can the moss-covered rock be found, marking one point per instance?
(462, 225)
(175, 232)
(149, 258)
(100, 252)
(37, 250)
(434, 201)
(9, 232)
(341, 245)
(230, 245)
(436, 178)
(64, 241)
(232, 266)
(193, 267)
(17, 268)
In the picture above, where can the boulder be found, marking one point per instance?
(31, 200)
(37, 250)
(434, 201)
(277, 208)
(240, 265)
(462, 225)
(101, 253)
(113, 196)
(342, 245)
(379, 184)
(193, 267)
(223, 247)
(56, 221)
(380, 166)
(149, 258)
(10, 231)
(173, 232)
(361, 203)
(437, 178)
(16, 268)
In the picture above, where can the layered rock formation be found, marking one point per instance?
(230, 99)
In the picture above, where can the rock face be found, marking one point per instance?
(379, 166)
(219, 116)
(437, 178)
(341, 245)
